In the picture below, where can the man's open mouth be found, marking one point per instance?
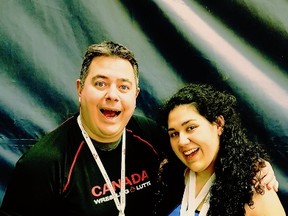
(110, 113)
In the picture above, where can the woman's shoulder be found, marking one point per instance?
(267, 203)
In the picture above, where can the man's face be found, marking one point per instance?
(108, 98)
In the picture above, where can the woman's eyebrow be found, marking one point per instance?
(184, 123)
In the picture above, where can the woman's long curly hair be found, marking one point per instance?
(238, 161)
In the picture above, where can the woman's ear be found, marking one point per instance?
(220, 121)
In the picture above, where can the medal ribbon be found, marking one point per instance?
(189, 201)
(120, 205)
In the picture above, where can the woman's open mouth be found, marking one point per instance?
(191, 152)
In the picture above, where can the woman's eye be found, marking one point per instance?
(171, 135)
(190, 128)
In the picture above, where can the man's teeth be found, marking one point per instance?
(110, 113)
(190, 151)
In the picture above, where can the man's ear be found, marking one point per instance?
(137, 91)
(79, 89)
(220, 121)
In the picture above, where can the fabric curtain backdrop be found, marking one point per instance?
(240, 46)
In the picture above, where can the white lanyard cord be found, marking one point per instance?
(189, 201)
(120, 205)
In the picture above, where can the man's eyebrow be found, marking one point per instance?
(125, 80)
(105, 77)
(99, 76)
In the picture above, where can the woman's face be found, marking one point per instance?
(193, 138)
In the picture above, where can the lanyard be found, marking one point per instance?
(120, 205)
(189, 201)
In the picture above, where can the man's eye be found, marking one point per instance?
(124, 87)
(100, 83)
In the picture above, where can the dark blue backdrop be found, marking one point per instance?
(237, 45)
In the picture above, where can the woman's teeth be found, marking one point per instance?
(190, 151)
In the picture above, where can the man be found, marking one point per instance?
(100, 161)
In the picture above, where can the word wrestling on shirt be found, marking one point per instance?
(136, 181)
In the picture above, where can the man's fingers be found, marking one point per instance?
(275, 186)
(270, 182)
(266, 177)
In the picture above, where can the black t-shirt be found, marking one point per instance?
(59, 175)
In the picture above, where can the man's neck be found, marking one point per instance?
(106, 146)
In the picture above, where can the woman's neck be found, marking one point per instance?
(201, 179)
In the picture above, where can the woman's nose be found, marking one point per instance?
(183, 139)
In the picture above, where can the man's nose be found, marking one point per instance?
(112, 93)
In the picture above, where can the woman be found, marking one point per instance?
(221, 162)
